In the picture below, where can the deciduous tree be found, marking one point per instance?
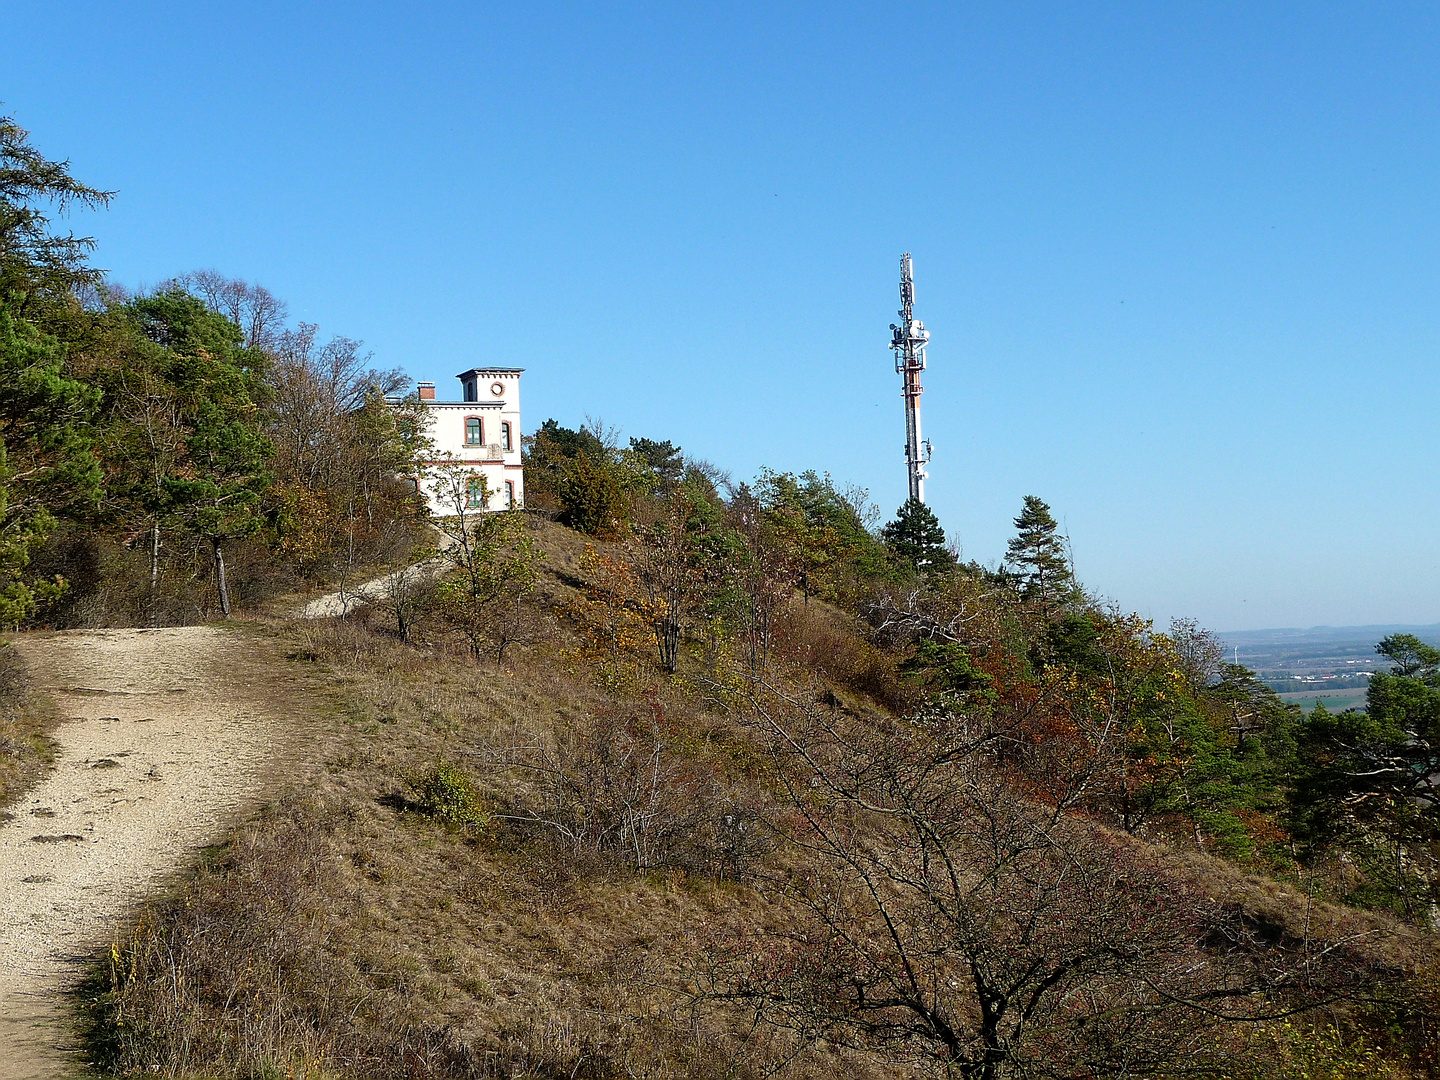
(961, 927)
(258, 312)
(765, 573)
(673, 573)
(495, 565)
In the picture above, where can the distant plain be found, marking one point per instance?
(1335, 657)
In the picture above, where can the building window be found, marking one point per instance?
(475, 493)
(470, 390)
(474, 431)
(505, 436)
(509, 492)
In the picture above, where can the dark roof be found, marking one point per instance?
(491, 371)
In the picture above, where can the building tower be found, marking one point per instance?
(908, 339)
(477, 463)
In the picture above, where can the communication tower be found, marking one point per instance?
(908, 339)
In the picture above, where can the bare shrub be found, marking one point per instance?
(958, 608)
(599, 786)
(958, 925)
(606, 787)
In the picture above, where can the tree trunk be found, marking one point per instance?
(667, 637)
(220, 578)
(154, 566)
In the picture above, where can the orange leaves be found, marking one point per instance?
(613, 616)
(306, 525)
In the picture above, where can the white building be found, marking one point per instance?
(481, 434)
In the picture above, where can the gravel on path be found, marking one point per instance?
(161, 745)
(337, 605)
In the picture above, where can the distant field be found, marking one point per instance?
(1320, 650)
(1335, 700)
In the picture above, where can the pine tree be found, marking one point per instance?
(1368, 780)
(915, 537)
(36, 262)
(663, 459)
(213, 473)
(47, 466)
(1038, 550)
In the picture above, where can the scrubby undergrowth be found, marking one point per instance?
(361, 927)
(573, 864)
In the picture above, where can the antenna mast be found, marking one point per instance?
(909, 339)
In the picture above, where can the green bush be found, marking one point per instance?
(594, 499)
(446, 793)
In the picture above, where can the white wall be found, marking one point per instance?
(499, 405)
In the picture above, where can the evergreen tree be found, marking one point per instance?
(209, 472)
(1038, 551)
(593, 498)
(37, 265)
(916, 538)
(554, 446)
(1369, 780)
(46, 464)
(663, 459)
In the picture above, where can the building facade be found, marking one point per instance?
(475, 437)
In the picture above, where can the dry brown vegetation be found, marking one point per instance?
(749, 788)
(348, 931)
(629, 881)
(25, 721)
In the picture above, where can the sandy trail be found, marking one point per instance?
(165, 738)
(337, 605)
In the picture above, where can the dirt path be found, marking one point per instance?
(168, 733)
(337, 604)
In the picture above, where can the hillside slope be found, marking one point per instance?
(564, 865)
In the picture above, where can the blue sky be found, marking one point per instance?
(1179, 261)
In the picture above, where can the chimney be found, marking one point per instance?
(427, 391)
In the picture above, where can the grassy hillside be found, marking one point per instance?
(557, 866)
(357, 928)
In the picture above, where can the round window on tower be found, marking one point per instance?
(498, 389)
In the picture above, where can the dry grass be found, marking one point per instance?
(347, 932)
(820, 638)
(26, 719)
(1399, 1022)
